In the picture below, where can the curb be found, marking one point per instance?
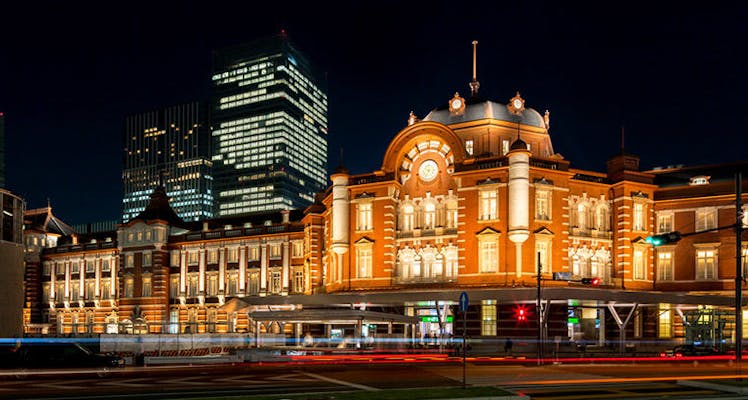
(715, 386)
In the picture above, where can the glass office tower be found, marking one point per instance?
(2, 150)
(170, 146)
(269, 128)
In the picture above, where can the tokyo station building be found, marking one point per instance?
(471, 198)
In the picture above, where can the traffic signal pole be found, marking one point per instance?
(539, 312)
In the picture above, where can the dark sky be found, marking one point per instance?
(672, 74)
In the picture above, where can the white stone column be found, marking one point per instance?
(242, 269)
(263, 268)
(183, 272)
(284, 274)
(201, 277)
(519, 197)
(97, 285)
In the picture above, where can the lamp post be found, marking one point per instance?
(539, 312)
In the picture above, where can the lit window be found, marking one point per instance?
(488, 205)
(706, 218)
(664, 222)
(105, 266)
(147, 259)
(298, 280)
(602, 219)
(275, 251)
(364, 216)
(543, 252)
(254, 282)
(232, 284)
(488, 318)
(106, 288)
(665, 322)
(664, 265)
(488, 260)
(174, 286)
(192, 257)
(275, 281)
(74, 269)
(129, 287)
(297, 248)
(192, 281)
(213, 256)
(469, 147)
(146, 287)
(639, 216)
(407, 218)
(639, 265)
(504, 146)
(706, 264)
(233, 255)
(543, 205)
(254, 253)
(174, 256)
(129, 261)
(429, 215)
(212, 285)
(363, 259)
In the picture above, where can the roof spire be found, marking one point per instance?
(474, 85)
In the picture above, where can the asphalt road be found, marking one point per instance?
(191, 381)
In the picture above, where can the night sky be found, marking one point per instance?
(673, 75)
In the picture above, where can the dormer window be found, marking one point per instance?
(699, 180)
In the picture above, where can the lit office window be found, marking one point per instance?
(488, 259)
(488, 318)
(664, 222)
(639, 216)
(488, 207)
(364, 216)
(664, 265)
(639, 264)
(146, 292)
(543, 205)
(706, 218)
(706, 264)
(665, 322)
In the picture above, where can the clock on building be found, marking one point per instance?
(516, 104)
(456, 105)
(428, 170)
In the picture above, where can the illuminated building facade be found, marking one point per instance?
(171, 145)
(11, 264)
(473, 198)
(269, 128)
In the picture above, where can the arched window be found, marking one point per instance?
(429, 215)
(407, 216)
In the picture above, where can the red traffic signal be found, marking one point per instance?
(591, 281)
(520, 313)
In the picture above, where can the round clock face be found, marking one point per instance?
(517, 104)
(456, 104)
(428, 170)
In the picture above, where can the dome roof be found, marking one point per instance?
(481, 109)
(518, 144)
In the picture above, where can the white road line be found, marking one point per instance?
(339, 382)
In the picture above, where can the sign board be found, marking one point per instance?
(562, 276)
(463, 301)
(435, 319)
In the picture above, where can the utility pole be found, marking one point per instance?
(738, 268)
(539, 312)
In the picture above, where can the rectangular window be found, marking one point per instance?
(146, 287)
(488, 318)
(129, 261)
(363, 260)
(469, 147)
(639, 217)
(664, 265)
(233, 255)
(275, 251)
(47, 269)
(504, 146)
(297, 248)
(192, 257)
(75, 288)
(90, 289)
(74, 268)
(298, 280)
(90, 266)
(639, 265)
(664, 222)
(60, 269)
(543, 252)
(665, 322)
(254, 253)
(212, 256)
(129, 287)
(542, 205)
(174, 257)
(174, 286)
(192, 285)
(706, 218)
(489, 257)
(212, 285)
(364, 216)
(275, 281)
(45, 292)
(105, 266)
(232, 284)
(147, 259)
(706, 263)
(106, 288)
(254, 282)
(488, 205)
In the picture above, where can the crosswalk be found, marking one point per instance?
(641, 391)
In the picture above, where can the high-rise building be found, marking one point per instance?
(170, 146)
(269, 128)
(2, 150)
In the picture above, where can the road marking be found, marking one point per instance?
(343, 383)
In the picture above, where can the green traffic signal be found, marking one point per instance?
(665, 238)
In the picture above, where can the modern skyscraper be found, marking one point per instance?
(269, 128)
(2, 150)
(169, 146)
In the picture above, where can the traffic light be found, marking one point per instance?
(520, 313)
(664, 238)
(591, 281)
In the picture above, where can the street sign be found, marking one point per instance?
(463, 301)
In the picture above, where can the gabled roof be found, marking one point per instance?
(159, 209)
(42, 219)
